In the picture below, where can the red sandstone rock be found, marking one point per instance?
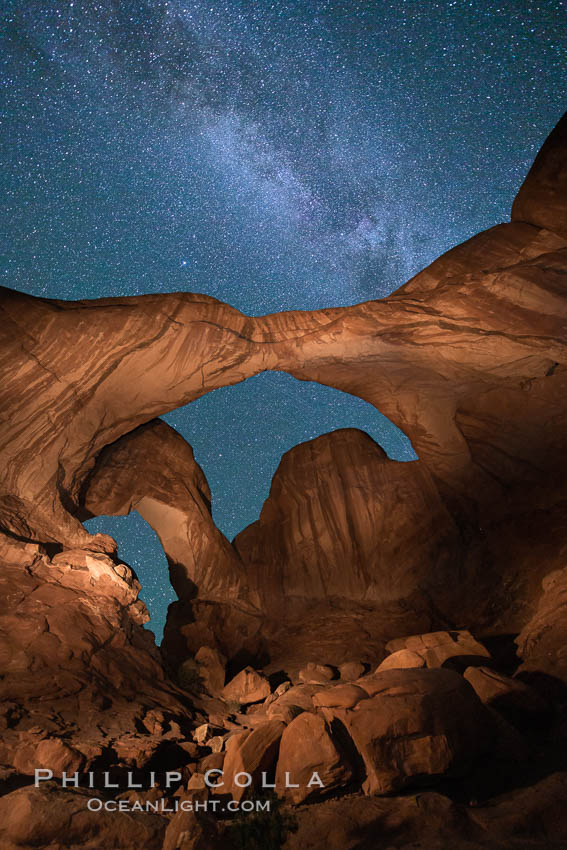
(247, 686)
(336, 501)
(52, 753)
(340, 696)
(49, 816)
(542, 199)
(299, 695)
(316, 673)
(401, 658)
(351, 670)
(212, 668)
(511, 697)
(542, 643)
(174, 499)
(495, 307)
(226, 626)
(189, 831)
(439, 649)
(415, 724)
(254, 753)
(308, 754)
(285, 713)
(213, 760)
(528, 817)
(469, 359)
(79, 672)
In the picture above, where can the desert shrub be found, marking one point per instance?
(262, 830)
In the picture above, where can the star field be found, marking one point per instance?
(276, 155)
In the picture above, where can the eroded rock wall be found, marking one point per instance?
(82, 683)
(343, 520)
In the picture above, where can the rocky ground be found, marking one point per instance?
(433, 747)
(384, 650)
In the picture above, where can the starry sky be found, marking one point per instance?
(276, 155)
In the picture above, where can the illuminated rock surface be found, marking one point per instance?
(352, 551)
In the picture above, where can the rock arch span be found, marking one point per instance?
(468, 359)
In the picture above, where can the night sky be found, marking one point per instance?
(275, 155)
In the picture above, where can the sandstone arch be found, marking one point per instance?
(468, 359)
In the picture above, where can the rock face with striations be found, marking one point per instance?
(339, 515)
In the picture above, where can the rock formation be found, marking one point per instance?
(83, 686)
(338, 516)
(414, 723)
(174, 499)
(468, 359)
(307, 747)
(352, 553)
(542, 643)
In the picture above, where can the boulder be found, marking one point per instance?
(154, 721)
(52, 753)
(285, 713)
(340, 696)
(216, 743)
(310, 761)
(260, 707)
(204, 732)
(212, 669)
(313, 672)
(150, 795)
(441, 649)
(252, 719)
(511, 697)
(248, 756)
(351, 670)
(400, 659)
(527, 817)
(247, 687)
(50, 816)
(213, 761)
(298, 695)
(197, 782)
(416, 724)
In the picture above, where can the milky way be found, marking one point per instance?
(275, 155)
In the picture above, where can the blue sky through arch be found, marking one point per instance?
(238, 435)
